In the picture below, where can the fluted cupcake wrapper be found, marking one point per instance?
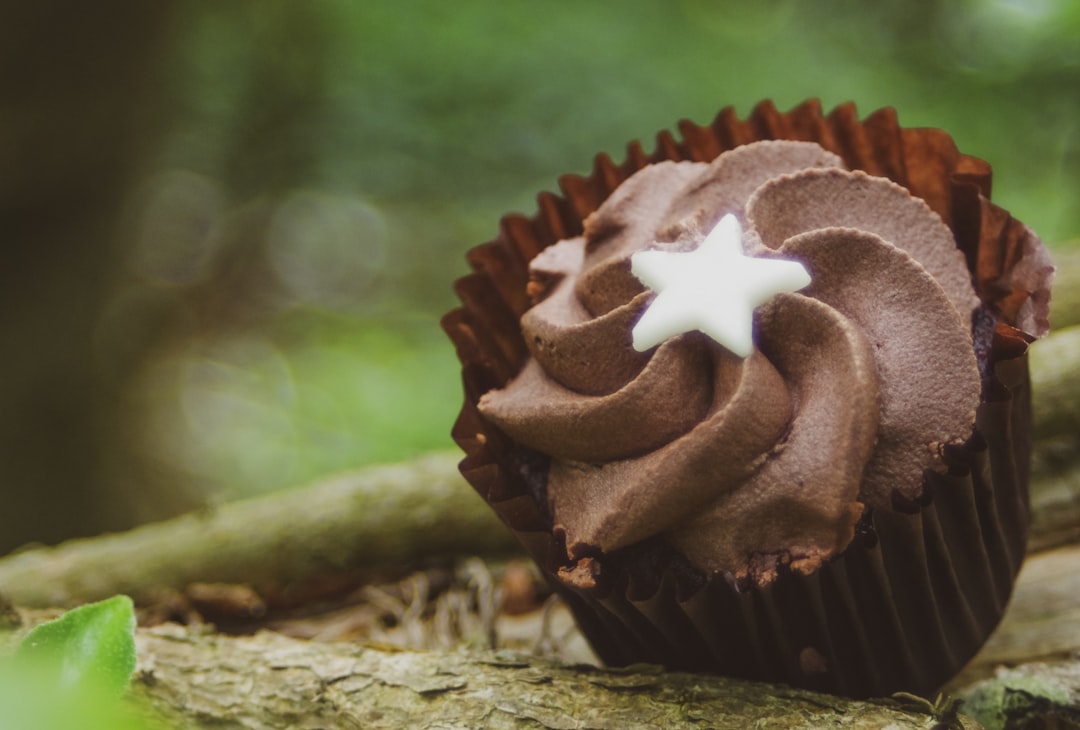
(908, 603)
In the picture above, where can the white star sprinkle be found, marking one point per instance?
(713, 289)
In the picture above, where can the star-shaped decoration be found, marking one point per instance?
(713, 289)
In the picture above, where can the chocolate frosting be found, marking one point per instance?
(855, 386)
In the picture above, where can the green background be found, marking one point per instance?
(286, 241)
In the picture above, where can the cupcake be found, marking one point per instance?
(757, 402)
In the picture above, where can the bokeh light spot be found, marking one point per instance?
(326, 249)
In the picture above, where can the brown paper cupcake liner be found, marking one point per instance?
(915, 596)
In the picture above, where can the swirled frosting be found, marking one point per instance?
(854, 386)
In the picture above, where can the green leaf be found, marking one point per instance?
(29, 701)
(93, 645)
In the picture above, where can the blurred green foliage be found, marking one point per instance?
(327, 163)
(230, 228)
(445, 115)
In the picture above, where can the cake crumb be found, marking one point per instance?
(582, 574)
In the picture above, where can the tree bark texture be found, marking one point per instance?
(1037, 695)
(270, 681)
(197, 678)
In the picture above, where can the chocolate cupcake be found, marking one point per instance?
(757, 402)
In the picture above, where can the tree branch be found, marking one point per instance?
(1065, 300)
(293, 544)
(1054, 363)
(284, 545)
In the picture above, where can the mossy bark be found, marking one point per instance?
(270, 681)
(1038, 695)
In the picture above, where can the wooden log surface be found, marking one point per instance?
(196, 678)
(1036, 695)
